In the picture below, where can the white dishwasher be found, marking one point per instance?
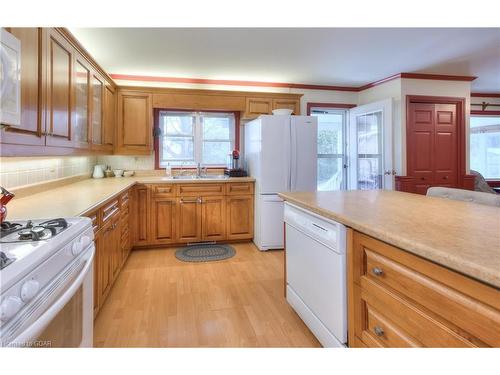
(316, 273)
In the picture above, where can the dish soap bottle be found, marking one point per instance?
(168, 170)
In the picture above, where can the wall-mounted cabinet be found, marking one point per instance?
(293, 104)
(64, 105)
(134, 133)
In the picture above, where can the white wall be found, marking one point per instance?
(456, 89)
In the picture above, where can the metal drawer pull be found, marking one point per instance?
(379, 331)
(377, 271)
(196, 200)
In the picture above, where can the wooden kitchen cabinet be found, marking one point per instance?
(213, 218)
(81, 121)
(397, 299)
(292, 104)
(109, 119)
(257, 106)
(163, 223)
(239, 216)
(31, 129)
(97, 130)
(141, 216)
(134, 123)
(188, 219)
(59, 101)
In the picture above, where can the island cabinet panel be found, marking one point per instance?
(30, 129)
(134, 123)
(59, 101)
(239, 216)
(213, 222)
(397, 299)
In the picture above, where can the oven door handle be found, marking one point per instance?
(43, 321)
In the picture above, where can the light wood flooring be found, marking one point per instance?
(159, 301)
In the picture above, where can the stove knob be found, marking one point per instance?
(29, 289)
(76, 248)
(85, 240)
(9, 307)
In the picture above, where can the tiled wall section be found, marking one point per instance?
(16, 172)
(131, 163)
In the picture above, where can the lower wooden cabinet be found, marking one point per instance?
(239, 216)
(213, 218)
(182, 213)
(397, 299)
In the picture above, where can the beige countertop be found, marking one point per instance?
(462, 236)
(77, 198)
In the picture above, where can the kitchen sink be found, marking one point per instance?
(208, 177)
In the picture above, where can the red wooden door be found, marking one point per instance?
(432, 145)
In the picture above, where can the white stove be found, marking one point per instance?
(46, 274)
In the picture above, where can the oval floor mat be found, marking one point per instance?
(204, 253)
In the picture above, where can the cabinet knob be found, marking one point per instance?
(377, 271)
(379, 331)
(445, 177)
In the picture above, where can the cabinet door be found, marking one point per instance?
(82, 101)
(115, 247)
(213, 218)
(59, 101)
(239, 217)
(97, 271)
(163, 220)
(30, 130)
(97, 85)
(105, 248)
(135, 118)
(258, 106)
(109, 118)
(141, 215)
(292, 104)
(188, 219)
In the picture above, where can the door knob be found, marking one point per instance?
(445, 177)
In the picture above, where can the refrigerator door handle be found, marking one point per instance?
(288, 151)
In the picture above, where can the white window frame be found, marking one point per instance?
(478, 130)
(198, 140)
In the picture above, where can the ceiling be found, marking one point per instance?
(322, 56)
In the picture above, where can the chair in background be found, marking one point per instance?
(480, 183)
(465, 195)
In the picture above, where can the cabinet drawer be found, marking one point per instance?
(201, 189)
(386, 333)
(109, 211)
(125, 199)
(163, 190)
(443, 295)
(239, 188)
(399, 317)
(94, 216)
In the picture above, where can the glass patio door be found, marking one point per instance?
(370, 147)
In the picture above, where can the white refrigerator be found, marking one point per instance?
(281, 154)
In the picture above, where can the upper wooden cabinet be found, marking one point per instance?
(30, 130)
(64, 106)
(59, 100)
(134, 123)
(293, 104)
(109, 120)
(258, 106)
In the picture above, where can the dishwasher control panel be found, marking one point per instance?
(329, 232)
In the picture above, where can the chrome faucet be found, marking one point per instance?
(199, 168)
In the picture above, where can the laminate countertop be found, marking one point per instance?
(462, 236)
(80, 197)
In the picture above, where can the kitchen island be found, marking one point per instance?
(421, 271)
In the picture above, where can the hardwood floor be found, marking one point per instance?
(159, 301)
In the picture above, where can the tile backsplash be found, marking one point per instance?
(134, 163)
(16, 172)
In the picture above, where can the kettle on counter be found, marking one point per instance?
(6, 197)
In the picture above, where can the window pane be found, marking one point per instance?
(330, 174)
(369, 176)
(485, 146)
(178, 148)
(216, 128)
(369, 137)
(215, 152)
(330, 134)
(178, 125)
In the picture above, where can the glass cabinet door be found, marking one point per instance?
(97, 100)
(81, 104)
